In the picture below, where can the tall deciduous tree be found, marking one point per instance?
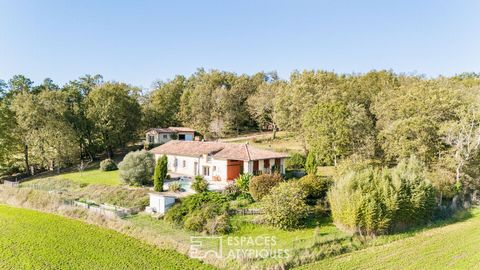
(261, 105)
(334, 130)
(48, 137)
(115, 113)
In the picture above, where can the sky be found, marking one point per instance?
(140, 41)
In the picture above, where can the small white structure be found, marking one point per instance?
(159, 203)
(163, 135)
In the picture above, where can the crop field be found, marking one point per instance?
(454, 246)
(35, 240)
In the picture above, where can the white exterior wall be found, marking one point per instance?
(217, 167)
(158, 137)
(160, 204)
(221, 169)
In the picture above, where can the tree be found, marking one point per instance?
(303, 92)
(44, 130)
(261, 105)
(115, 113)
(160, 173)
(8, 141)
(333, 130)
(410, 117)
(163, 104)
(463, 137)
(137, 168)
(77, 92)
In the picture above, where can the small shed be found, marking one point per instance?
(159, 203)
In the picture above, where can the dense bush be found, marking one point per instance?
(108, 165)
(261, 185)
(201, 212)
(285, 206)
(295, 162)
(137, 168)
(231, 191)
(200, 184)
(315, 186)
(375, 201)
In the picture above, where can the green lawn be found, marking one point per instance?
(35, 240)
(95, 176)
(454, 246)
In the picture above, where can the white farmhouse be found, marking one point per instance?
(217, 161)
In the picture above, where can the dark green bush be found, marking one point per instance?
(199, 212)
(315, 186)
(378, 201)
(261, 185)
(108, 165)
(137, 168)
(295, 162)
(285, 206)
(200, 184)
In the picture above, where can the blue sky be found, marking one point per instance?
(141, 41)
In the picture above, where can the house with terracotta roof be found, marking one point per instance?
(218, 161)
(163, 135)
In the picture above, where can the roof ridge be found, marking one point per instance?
(248, 151)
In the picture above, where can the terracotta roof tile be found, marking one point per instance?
(216, 149)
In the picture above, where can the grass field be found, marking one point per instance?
(284, 141)
(34, 240)
(94, 176)
(454, 246)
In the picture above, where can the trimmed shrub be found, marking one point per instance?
(200, 184)
(137, 168)
(200, 212)
(377, 201)
(262, 184)
(295, 162)
(316, 187)
(174, 187)
(160, 173)
(108, 165)
(285, 206)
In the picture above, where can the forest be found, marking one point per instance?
(379, 117)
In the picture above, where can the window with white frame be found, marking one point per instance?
(184, 163)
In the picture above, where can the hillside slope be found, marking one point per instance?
(454, 246)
